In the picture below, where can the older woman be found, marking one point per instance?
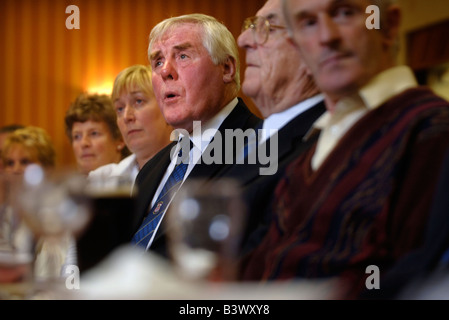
(91, 126)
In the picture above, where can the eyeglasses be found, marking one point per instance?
(260, 27)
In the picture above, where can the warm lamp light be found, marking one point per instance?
(105, 88)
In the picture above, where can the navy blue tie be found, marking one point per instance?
(149, 224)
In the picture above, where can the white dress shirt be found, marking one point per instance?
(277, 121)
(201, 136)
(128, 168)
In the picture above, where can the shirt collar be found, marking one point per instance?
(386, 85)
(278, 120)
(201, 138)
(380, 89)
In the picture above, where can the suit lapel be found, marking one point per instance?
(148, 181)
(239, 118)
(291, 135)
(151, 174)
(289, 140)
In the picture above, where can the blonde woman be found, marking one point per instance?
(26, 146)
(140, 121)
(22, 148)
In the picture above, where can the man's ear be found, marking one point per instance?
(229, 70)
(392, 25)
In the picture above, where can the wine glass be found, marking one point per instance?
(16, 244)
(205, 221)
(54, 206)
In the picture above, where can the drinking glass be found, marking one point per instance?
(16, 244)
(54, 206)
(205, 221)
(112, 201)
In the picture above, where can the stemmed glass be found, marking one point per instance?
(54, 206)
(16, 244)
(205, 221)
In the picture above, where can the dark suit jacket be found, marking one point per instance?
(257, 188)
(150, 175)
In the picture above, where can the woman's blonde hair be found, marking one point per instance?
(35, 140)
(135, 77)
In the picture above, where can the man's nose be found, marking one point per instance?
(168, 71)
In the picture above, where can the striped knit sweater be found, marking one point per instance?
(368, 202)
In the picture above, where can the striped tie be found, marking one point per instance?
(148, 227)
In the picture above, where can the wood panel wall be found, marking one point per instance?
(44, 65)
(429, 46)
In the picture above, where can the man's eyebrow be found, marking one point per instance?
(272, 18)
(300, 15)
(183, 46)
(178, 47)
(336, 3)
(155, 55)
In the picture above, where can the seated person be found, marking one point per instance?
(361, 195)
(91, 126)
(140, 121)
(32, 145)
(4, 132)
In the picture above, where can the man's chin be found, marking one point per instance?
(249, 88)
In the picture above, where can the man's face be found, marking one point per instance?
(341, 52)
(188, 86)
(271, 67)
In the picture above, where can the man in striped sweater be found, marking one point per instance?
(358, 201)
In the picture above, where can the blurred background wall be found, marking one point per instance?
(425, 42)
(44, 66)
